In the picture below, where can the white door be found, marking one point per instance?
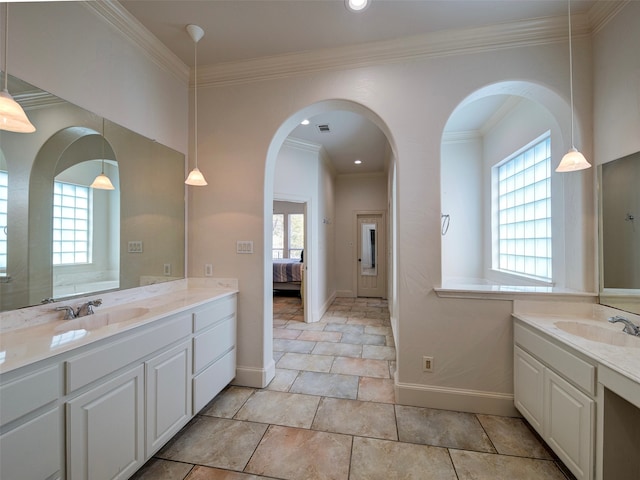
(371, 259)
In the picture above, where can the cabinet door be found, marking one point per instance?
(529, 388)
(34, 449)
(168, 392)
(105, 429)
(569, 425)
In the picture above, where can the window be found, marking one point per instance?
(288, 235)
(4, 179)
(524, 211)
(71, 224)
(296, 235)
(278, 235)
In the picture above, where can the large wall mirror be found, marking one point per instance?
(620, 233)
(59, 237)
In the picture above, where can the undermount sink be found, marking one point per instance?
(596, 333)
(102, 319)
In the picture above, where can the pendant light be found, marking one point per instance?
(12, 116)
(102, 182)
(573, 160)
(195, 177)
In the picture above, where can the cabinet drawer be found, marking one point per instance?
(210, 344)
(86, 368)
(581, 373)
(29, 393)
(214, 312)
(212, 380)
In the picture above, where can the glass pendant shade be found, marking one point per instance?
(102, 182)
(12, 117)
(196, 178)
(572, 162)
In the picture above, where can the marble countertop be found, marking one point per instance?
(624, 359)
(28, 337)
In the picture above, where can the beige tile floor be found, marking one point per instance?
(330, 414)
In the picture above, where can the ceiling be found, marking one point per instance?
(237, 30)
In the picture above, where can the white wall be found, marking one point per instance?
(461, 181)
(354, 193)
(616, 115)
(67, 49)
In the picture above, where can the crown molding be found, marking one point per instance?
(126, 24)
(37, 99)
(538, 31)
(438, 44)
(603, 11)
(461, 137)
(302, 144)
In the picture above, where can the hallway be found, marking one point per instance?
(330, 414)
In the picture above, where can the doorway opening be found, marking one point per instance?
(288, 257)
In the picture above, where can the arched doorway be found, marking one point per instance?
(316, 221)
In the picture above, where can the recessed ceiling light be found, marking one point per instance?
(358, 162)
(357, 5)
(305, 122)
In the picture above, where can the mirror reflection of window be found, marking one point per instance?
(368, 264)
(86, 231)
(4, 183)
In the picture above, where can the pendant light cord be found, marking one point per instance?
(195, 99)
(571, 72)
(6, 43)
(102, 145)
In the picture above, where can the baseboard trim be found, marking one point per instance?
(344, 294)
(462, 400)
(254, 377)
(323, 309)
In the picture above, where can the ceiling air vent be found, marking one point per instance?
(323, 128)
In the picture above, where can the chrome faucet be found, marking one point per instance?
(629, 327)
(69, 312)
(87, 308)
(81, 311)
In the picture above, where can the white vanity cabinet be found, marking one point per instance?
(31, 442)
(554, 389)
(100, 411)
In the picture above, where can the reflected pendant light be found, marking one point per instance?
(102, 182)
(195, 177)
(573, 160)
(12, 116)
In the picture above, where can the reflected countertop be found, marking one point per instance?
(28, 337)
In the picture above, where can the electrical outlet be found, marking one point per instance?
(208, 270)
(167, 269)
(427, 364)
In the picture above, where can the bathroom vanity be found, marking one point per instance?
(96, 396)
(577, 382)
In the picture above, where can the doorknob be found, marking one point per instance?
(359, 259)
